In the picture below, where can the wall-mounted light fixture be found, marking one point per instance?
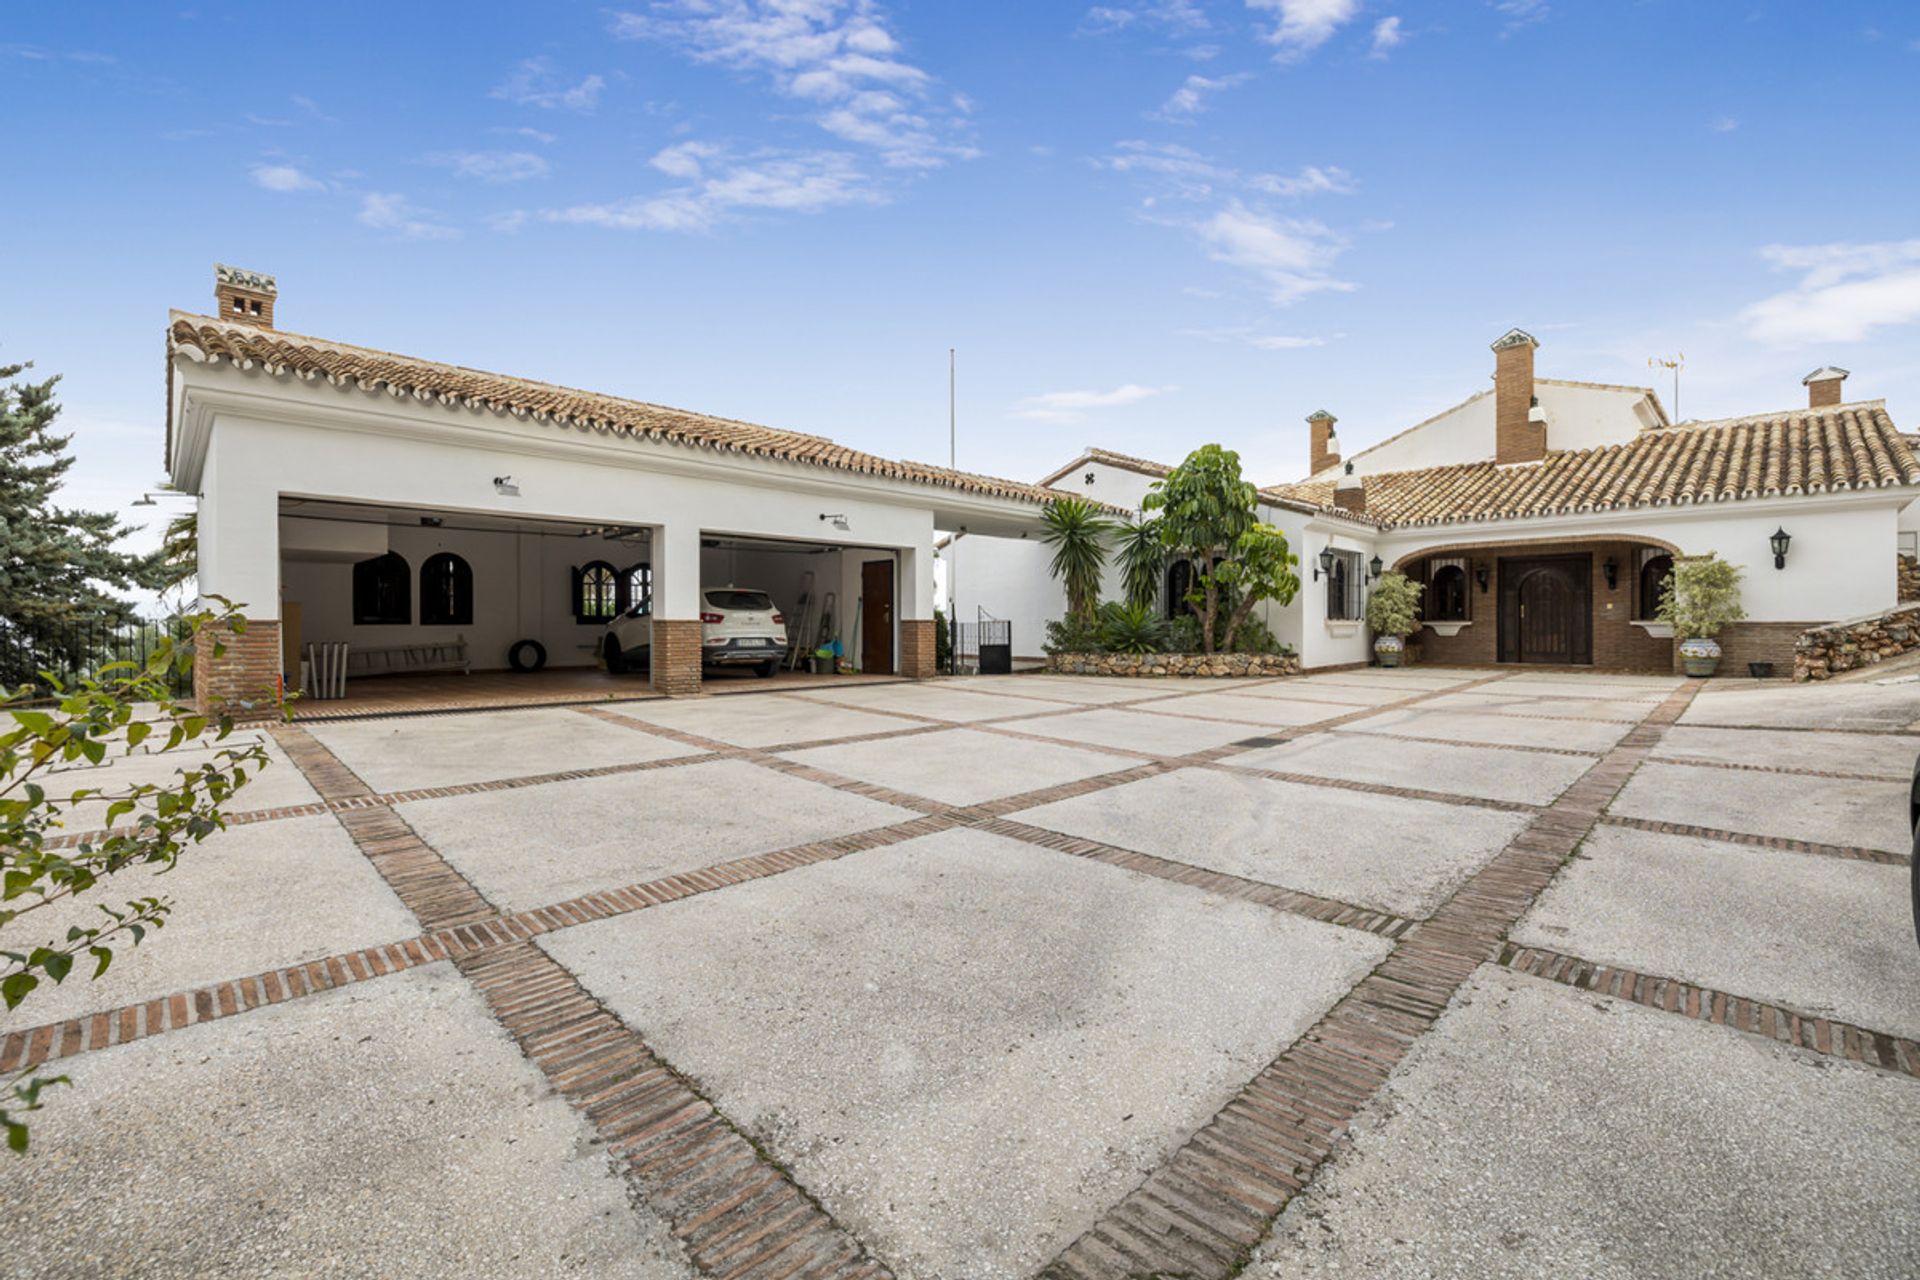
(1376, 567)
(1611, 568)
(432, 522)
(1480, 576)
(1326, 562)
(1780, 541)
(505, 487)
(840, 521)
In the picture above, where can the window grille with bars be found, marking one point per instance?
(1343, 587)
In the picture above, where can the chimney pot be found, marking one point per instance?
(1326, 445)
(243, 296)
(1518, 436)
(1823, 386)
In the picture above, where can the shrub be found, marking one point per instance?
(1254, 636)
(1701, 597)
(1078, 534)
(1390, 609)
(1183, 634)
(942, 643)
(1131, 628)
(1072, 634)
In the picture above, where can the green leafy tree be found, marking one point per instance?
(1207, 513)
(126, 708)
(1701, 597)
(59, 567)
(1143, 559)
(1078, 534)
(1391, 607)
(1131, 628)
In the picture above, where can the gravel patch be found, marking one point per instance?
(1472, 728)
(1485, 772)
(961, 766)
(1873, 753)
(1169, 735)
(763, 720)
(1869, 815)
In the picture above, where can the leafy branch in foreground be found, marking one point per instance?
(127, 708)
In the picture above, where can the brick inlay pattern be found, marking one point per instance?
(1201, 1213)
(1853, 853)
(736, 1214)
(1704, 1004)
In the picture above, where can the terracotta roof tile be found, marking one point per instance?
(287, 354)
(1125, 462)
(1841, 447)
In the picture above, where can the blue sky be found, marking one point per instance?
(1145, 224)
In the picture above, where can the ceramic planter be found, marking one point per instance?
(1700, 658)
(1388, 650)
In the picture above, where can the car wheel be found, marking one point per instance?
(610, 650)
(766, 669)
(1916, 886)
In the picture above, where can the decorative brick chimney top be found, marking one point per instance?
(1350, 494)
(245, 296)
(1823, 386)
(1326, 445)
(1519, 435)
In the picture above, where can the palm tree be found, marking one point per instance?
(1078, 534)
(1143, 558)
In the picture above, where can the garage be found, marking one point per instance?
(435, 523)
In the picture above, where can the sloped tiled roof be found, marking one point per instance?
(294, 355)
(1802, 451)
(1125, 462)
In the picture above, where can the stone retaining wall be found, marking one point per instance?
(1173, 664)
(1909, 579)
(1826, 651)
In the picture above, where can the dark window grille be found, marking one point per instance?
(596, 592)
(636, 589)
(1343, 587)
(1653, 575)
(1447, 594)
(446, 591)
(381, 591)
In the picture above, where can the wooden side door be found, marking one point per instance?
(876, 616)
(1546, 610)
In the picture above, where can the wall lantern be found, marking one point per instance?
(1326, 562)
(840, 521)
(1376, 567)
(505, 487)
(1612, 569)
(1480, 576)
(1779, 542)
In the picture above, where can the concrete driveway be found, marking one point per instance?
(1428, 972)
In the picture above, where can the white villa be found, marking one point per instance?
(1541, 514)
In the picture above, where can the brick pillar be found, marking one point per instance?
(1515, 437)
(1823, 387)
(244, 680)
(917, 649)
(676, 657)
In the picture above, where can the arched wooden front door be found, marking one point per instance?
(1546, 610)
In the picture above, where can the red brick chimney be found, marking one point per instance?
(1350, 494)
(1326, 445)
(1519, 432)
(1823, 386)
(245, 296)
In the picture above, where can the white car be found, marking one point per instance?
(739, 627)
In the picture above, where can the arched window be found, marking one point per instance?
(446, 591)
(382, 590)
(1340, 606)
(636, 589)
(596, 593)
(1653, 576)
(1447, 594)
(1179, 582)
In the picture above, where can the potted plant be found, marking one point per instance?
(1390, 612)
(1701, 598)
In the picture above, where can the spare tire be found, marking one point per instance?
(527, 655)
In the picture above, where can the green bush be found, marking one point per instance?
(1390, 609)
(1132, 628)
(1072, 634)
(1183, 634)
(1253, 636)
(1701, 597)
(942, 642)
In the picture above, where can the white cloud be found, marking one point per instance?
(1187, 174)
(534, 83)
(540, 136)
(1845, 292)
(393, 212)
(1521, 13)
(1253, 338)
(492, 166)
(720, 188)
(284, 177)
(1723, 124)
(836, 54)
(1072, 406)
(1387, 35)
(1292, 256)
(1176, 16)
(1190, 99)
(1310, 181)
(1304, 25)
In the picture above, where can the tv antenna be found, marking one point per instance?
(1676, 362)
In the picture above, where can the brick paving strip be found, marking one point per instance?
(1704, 1004)
(1852, 853)
(1201, 1213)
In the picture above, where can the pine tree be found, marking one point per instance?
(59, 567)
